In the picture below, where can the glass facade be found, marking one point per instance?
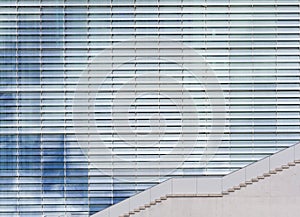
(49, 49)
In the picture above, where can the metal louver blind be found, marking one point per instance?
(102, 54)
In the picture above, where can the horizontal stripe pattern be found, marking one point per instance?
(71, 144)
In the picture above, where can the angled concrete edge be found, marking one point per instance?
(204, 185)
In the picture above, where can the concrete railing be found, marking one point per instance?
(204, 186)
(177, 186)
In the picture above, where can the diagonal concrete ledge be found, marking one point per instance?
(205, 186)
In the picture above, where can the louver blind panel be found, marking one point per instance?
(101, 99)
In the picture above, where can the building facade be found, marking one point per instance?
(101, 99)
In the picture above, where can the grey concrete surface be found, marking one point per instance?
(274, 196)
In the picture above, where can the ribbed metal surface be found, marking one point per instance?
(73, 141)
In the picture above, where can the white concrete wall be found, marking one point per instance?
(275, 196)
